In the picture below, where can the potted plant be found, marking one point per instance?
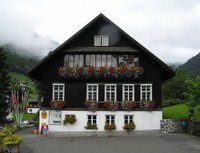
(69, 119)
(112, 106)
(91, 126)
(110, 127)
(148, 105)
(36, 123)
(92, 105)
(129, 105)
(129, 127)
(57, 104)
(12, 143)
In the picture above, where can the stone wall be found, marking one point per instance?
(194, 128)
(173, 126)
(180, 126)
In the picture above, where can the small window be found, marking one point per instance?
(97, 40)
(92, 92)
(105, 41)
(110, 92)
(128, 92)
(128, 119)
(101, 41)
(92, 119)
(74, 60)
(58, 91)
(110, 119)
(146, 92)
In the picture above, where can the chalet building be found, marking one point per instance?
(101, 78)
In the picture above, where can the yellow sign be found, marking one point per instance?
(44, 115)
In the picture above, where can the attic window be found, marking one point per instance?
(101, 40)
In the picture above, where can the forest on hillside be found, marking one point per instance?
(192, 66)
(18, 62)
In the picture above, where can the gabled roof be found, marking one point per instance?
(165, 68)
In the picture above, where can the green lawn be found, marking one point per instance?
(178, 112)
(33, 93)
(27, 116)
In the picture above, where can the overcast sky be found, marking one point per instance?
(170, 29)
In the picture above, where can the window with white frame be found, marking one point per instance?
(92, 119)
(110, 119)
(58, 91)
(101, 40)
(128, 119)
(110, 92)
(146, 92)
(92, 92)
(128, 92)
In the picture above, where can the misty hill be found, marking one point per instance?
(192, 65)
(22, 60)
(18, 62)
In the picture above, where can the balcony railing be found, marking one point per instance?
(101, 72)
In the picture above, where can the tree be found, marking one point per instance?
(193, 91)
(174, 90)
(4, 88)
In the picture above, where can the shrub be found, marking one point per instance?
(91, 126)
(69, 119)
(12, 140)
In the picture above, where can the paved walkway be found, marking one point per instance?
(135, 143)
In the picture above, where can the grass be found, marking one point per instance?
(33, 94)
(27, 116)
(179, 112)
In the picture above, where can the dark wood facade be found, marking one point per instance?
(155, 71)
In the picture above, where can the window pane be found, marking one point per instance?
(87, 60)
(136, 61)
(81, 61)
(130, 60)
(71, 60)
(114, 60)
(98, 60)
(123, 60)
(55, 87)
(105, 41)
(76, 60)
(109, 60)
(66, 60)
(92, 60)
(103, 60)
(97, 40)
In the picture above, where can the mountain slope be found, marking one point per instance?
(20, 78)
(192, 65)
(18, 62)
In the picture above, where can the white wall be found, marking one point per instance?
(34, 110)
(144, 120)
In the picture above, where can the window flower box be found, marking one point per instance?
(129, 105)
(148, 105)
(129, 127)
(92, 105)
(110, 127)
(69, 119)
(101, 72)
(91, 126)
(112, 106)
(57, 104)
